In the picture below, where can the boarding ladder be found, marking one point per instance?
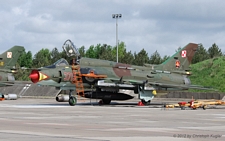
(77, 80)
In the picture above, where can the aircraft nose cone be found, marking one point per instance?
(34, 76)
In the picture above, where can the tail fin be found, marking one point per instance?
(181, 60)
(9, 58)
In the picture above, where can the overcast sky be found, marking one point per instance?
(162, 25)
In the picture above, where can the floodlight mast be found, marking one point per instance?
(116, 16)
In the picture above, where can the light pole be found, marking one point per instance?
(116, 16)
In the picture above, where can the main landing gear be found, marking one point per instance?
(104, 101)
(144, 103)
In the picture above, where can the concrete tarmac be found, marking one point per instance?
(28, 119)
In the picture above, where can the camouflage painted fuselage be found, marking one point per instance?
(131, 73)
(116, 73)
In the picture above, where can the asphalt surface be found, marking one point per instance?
(28, 119)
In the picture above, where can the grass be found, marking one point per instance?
(210, 73)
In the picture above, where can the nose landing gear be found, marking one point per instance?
(72, 100)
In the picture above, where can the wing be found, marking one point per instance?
(133, 81)
(6, 83)
(61, 85)
(13, 83)
(182, 87)
(7, 70)
(55, 84)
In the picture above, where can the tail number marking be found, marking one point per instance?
(68, 76)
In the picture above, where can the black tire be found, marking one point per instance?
(204, 107)
(72, 101)
(136, 90)
(146, 102)
(182, 108)
(106, 101)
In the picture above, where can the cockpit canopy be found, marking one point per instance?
(60, 62)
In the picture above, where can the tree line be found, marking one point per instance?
(45, 57)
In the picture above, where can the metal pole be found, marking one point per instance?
(116, 41)
(116, 16)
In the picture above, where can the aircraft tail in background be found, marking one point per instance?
(9, 58)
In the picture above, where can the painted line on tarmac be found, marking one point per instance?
(50, 124)
(33, 106)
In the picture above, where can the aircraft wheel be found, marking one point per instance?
(146, 102)
(72, 101)
(106, 101)
(136, 90)
(100, 102)
(204, 107)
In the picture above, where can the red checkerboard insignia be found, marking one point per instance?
(9, 54)
(183, 53)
